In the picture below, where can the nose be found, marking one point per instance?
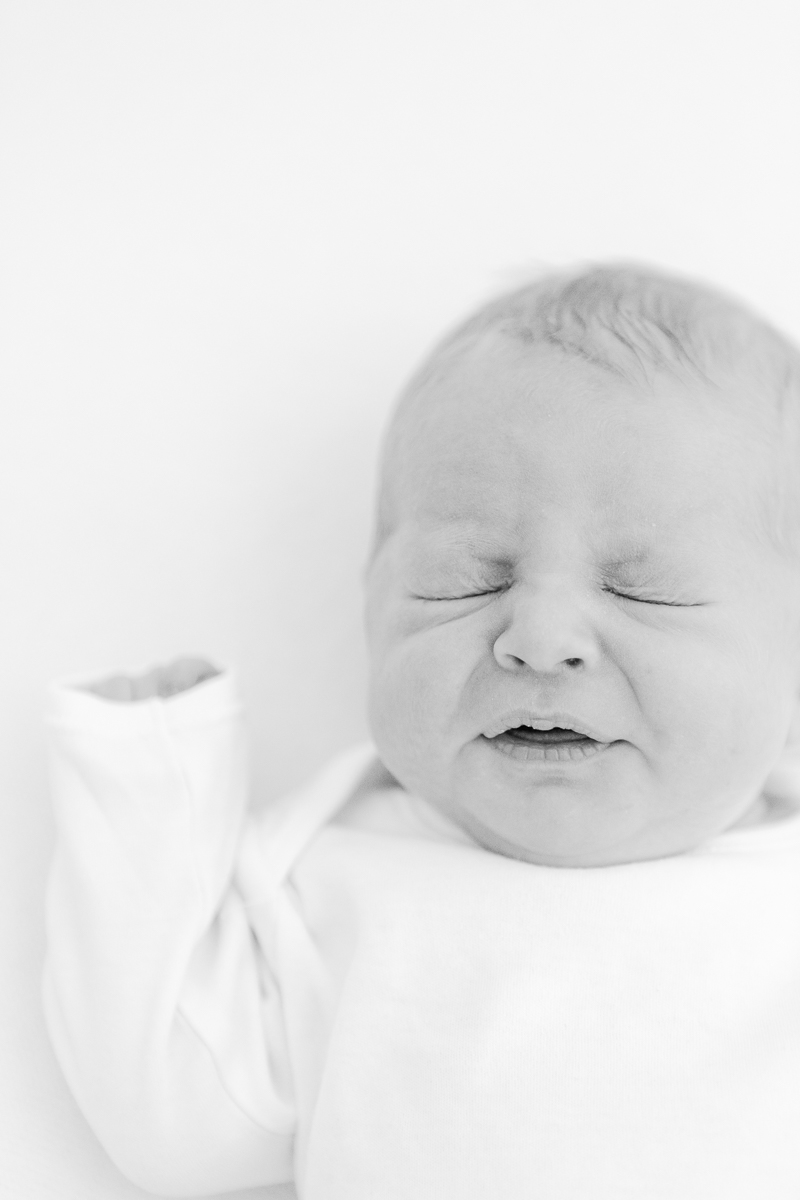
(546, 631)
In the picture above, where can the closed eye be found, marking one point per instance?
(651, 599)
(462, 596)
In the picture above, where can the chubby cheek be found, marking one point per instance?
(714, 714)
(416, 685)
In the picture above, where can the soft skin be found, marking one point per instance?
(560, 541)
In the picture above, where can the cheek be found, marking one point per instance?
(714, 702)
(417, 682)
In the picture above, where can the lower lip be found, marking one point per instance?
(562, 752)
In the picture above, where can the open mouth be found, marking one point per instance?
(544, 737)
(557, 744)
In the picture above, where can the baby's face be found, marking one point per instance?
(572, 552)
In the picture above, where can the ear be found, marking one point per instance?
(793, 736)
(784, 778)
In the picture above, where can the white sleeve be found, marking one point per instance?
(159, 1004)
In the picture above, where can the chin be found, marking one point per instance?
(567, 847)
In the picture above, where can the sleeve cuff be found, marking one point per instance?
(66, 706)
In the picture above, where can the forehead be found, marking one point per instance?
(508, 434)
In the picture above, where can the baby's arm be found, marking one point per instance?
(157, 1001)
(177, 676)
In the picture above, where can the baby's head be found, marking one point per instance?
(583, 607)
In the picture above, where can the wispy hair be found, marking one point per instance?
(639, 322)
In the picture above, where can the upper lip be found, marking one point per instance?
(539, 720)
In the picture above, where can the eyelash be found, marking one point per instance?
(466, 596)
(610, 591)
(644, 600)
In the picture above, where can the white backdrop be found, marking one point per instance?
(228, 230)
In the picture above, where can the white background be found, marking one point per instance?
(228, 230)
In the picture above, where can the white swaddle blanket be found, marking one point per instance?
(344, 989)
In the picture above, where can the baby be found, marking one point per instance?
(541, 941)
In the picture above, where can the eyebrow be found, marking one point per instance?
(484, 547)
(636, 553)
(470, 535)
(496, 550)
(649, 571)
(637, 557)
